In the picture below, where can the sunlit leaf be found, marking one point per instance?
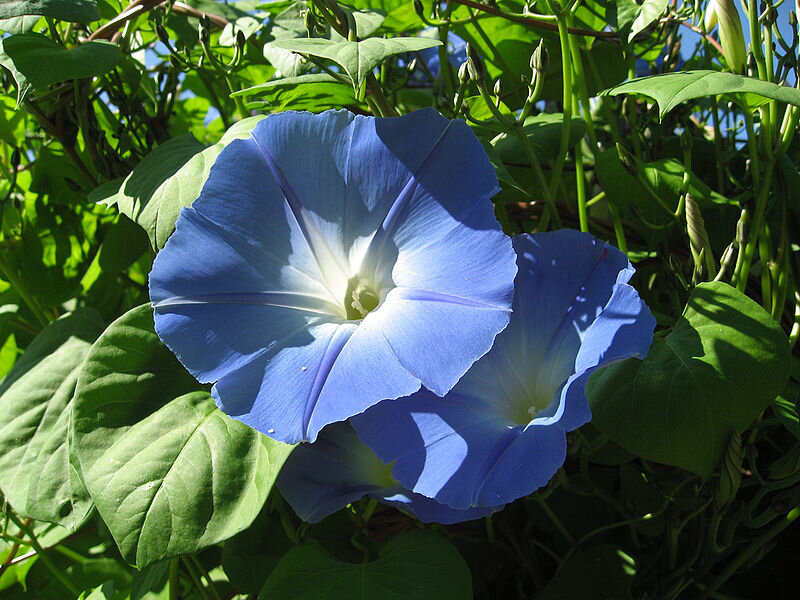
(719, 368)
(357, 58)
(671, 89)
(37, 397)
(170, 474)
(76, 11)
(37, 61)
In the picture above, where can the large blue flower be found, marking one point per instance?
(333, 261)
(320, 478)
(500, 433)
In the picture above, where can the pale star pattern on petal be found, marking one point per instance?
(333, 261)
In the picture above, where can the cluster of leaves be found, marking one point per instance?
(121, 479)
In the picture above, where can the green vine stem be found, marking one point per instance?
(749, 552)
(743, 270)
(566, 71)
(195, 576)
(40, 552)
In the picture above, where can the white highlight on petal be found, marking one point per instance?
(433, 430)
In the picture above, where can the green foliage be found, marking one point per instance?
(76, 11)
(111, 117)
(36, 61)
(417, 565)
(358, 59)
(673, 89)
(719, 368)
(169, 473)
(35, 470)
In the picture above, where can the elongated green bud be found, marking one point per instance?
(539, 58)
(725, 14)
(477, 71)
(730, 476)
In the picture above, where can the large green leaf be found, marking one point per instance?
(290, 24)
(76, 11)
(418, 565)
(671, 89)
(357, 58)
(170, 474)
(169, 178)
(141, 196)
(717, 370)
(312, 91)
(37, 61)
(35, 472)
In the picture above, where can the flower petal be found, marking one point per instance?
(251, 288)
(321, 478)
(480, 445)
(332, 370)
(459, 450)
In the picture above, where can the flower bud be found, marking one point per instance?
(498, 88)
(540, 58)
(463, 73)
(310, 20)
(477, 71)
(730, 476)
(162, 34)
(725, 14)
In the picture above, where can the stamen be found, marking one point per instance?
(360, 299)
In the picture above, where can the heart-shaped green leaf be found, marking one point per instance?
(169, 178)
(37, 61)
(357, 58)
(717, 370)
(170, 474)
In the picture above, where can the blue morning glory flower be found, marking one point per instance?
(333, 261)
(500, 433)
(321, 478)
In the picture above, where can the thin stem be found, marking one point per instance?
(174, 579)
(751, 550)
(205, 575)
(375, 92)
(580, 190)
(195, 576)
(619, 231)
(48, 562)
(755, 230)
(566, 69)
